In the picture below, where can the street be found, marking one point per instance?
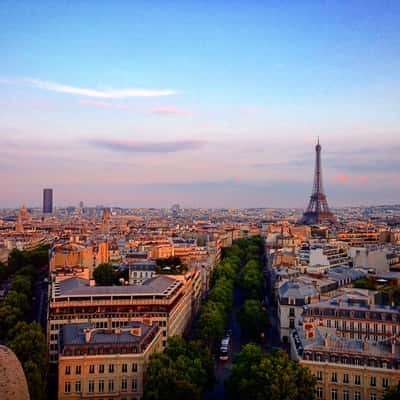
(272, 339)
(223, 368)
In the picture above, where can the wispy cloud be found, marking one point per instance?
(89, 92)
(344, 178)
(105, 104)
(123, 106)
(147, 147)
(171, 111)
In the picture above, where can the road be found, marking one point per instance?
(223, 368)
(272, 340)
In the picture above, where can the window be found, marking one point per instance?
(124, 367)
(134, 385)
(67, 370)
(67, 387)
(134, 367)
(101, 369)
(373, 396)
(346, 378)
(334, 377)
(346, 395)
(78, 369)
(319, 375)
(329, 323)
(320, 393)
(111, 368)
(385, 382)
(77, 386)
(291, 324)
(91, 386)
(334, 395)
(291, 312)
(111, 386)
(357, 380)
(373, 381)
(124, 385)
(357, 396)
(91, 369)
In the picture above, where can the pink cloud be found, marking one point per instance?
(343, 178)
(170, 111)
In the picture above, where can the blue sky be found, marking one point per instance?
(213, 104)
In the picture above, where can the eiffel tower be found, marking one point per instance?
(318, 210)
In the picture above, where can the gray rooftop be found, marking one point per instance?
(159, 285)
(297, 290)
(74, 334)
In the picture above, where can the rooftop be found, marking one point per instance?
(76, 287)
(80, 334)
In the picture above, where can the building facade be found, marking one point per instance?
(47, 201)
(106, 363)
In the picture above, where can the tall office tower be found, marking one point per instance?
(47, 201)
(318, 210)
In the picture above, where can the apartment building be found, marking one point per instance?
(351, 345)
(105, 363)
(168, 301)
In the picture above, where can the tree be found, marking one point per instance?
(253, 319)
(22, 284)
(365, 283)
(29, 344)
(18, 301)
(257, 377)
(9, 317)
(252, 282)
(222, 292)
(211, 323)
(181, 372)
(104, 274)
(392, 393)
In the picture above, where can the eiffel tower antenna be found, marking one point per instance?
(318, 210)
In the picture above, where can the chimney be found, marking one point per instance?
(92, 283)
(88, 335)
(136, 331)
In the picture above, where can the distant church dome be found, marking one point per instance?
(13, 384)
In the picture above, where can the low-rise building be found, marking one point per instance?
(169, 301)
(106, 363)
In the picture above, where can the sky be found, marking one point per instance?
(205, 104)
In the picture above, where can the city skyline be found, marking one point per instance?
(208, 106)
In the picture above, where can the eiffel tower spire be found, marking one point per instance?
(318, 210)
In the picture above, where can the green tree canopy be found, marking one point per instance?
(29, 344)
(181, 372)
(392, 393)
(22, 284)
(211, 324)
(253, 319)
(104, 274)
(17, 300)
(256, 376)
